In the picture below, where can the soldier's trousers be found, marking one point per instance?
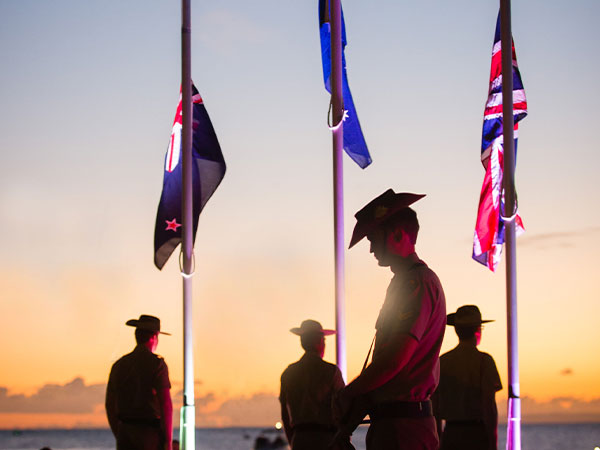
(139, 437)
(403, 434)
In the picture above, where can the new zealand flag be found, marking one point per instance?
(208, 169)
(354, 141)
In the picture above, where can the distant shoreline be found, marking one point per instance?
(501, 424)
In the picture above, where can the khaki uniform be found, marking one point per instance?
(466, 399)
(415, 305)
(133, 385)
(307, 389)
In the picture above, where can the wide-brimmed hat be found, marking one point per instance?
(380, 209)
(311, 327)
(466, 316)
(148, 323)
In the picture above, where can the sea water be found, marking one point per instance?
(534, 437)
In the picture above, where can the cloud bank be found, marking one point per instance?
(555, 410)
(559, 238)
(74, 397)
(80, 405)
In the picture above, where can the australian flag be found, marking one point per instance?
(208, 169)
(354, 141)
(489, 229)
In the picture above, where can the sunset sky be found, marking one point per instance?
(88, 93)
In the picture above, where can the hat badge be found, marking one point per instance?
(381, 211)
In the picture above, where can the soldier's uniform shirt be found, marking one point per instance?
(134, 381)
(468, 383)
(307, 389)
(414, 304)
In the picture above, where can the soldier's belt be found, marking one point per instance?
(155, 423)
(314, 427)
(394, 410)
(474, 422)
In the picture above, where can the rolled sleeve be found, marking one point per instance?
(162, 376)
(411, 314)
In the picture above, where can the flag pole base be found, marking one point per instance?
(513, 431)
(187, 428)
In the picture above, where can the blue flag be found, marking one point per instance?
(208, 169)
(354, 141)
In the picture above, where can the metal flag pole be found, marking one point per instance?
(187, 425)
(513, 435)
(338, 182)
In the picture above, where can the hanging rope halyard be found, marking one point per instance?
(515, 214)
(339, 124)
(183, 274)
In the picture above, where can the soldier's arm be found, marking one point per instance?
(166, 416)
(490, 384)
(285, 417)
(435, 402)
(110, 403)
(287, 426)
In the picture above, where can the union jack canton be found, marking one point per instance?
(489, 229)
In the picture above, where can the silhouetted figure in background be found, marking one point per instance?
(395, 388)
(138, 394)
(466, 396)
(307, 390)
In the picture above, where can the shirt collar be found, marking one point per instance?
(141, 348)
(405, 264)
(310, 355)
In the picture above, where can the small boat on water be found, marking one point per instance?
(270, 439)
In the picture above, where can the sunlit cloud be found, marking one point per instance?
(260, 409)
(558, 410)
(83, 405)
(72, 397)
(556, 239)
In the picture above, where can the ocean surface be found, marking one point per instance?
(534, 437)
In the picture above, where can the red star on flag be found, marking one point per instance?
(172, 225)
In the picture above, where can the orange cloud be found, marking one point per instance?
(73, 397)
(79, 405)
(556, 410)
(258, 410)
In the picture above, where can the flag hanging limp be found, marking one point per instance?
(208, 169)
(354, 141)
(489, 229)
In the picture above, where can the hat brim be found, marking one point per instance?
(136, 323)
(451, 322)
(364, 228)
(298, 331)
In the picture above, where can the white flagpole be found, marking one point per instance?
(338, 181)
(187, 425)
(513, 435)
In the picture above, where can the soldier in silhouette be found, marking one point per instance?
(466, 397)
(395, 388)
(138, 394)
(307, 390)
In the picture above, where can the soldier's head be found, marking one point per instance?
(467, 323)
(147, 338)
(147, 329)
(390, 226)
(466, 333)
(312, 336)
